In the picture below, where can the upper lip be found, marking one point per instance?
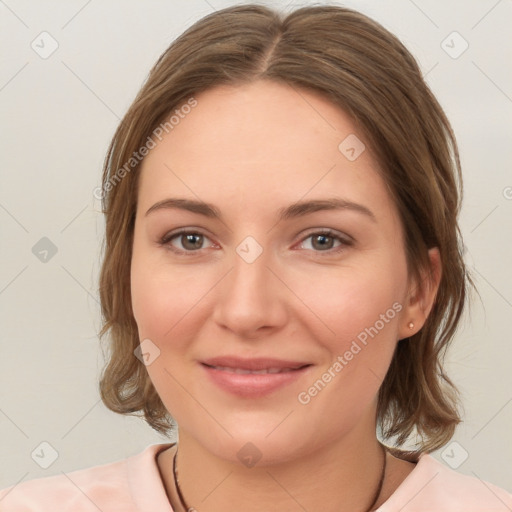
(257, 363)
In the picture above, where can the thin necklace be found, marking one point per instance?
(189, 509)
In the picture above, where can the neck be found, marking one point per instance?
(340, 476)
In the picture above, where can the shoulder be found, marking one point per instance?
(107, 487)
(434, 486)
(83, 490)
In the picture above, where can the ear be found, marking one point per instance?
(421, 296)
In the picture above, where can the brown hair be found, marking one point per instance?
(358, 65)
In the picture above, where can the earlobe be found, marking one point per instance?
(421, 297)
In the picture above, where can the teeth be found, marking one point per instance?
(256, 372)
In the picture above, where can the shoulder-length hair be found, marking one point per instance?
(365, 70)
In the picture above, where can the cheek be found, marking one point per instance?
(347, 301)
(163, 302)
(359, 313)
(162, 296)
(359, 309)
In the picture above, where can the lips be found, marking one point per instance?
(253, 378)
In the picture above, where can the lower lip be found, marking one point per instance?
(253, 385)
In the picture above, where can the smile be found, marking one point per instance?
(242, 371)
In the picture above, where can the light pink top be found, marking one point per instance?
(134, 485)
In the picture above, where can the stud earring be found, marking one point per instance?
(410, 325)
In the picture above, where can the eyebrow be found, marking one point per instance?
(295, 210)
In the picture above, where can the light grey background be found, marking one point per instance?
(58, 116)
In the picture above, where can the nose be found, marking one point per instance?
(252, 300)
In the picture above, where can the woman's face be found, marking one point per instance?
(261, 278)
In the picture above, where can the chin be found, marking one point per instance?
(263, 446)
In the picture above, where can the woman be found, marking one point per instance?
(283, 272)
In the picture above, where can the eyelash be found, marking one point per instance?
(346, 242)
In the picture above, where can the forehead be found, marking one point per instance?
(263, 119)
(259, 143)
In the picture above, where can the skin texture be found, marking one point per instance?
(250, 151)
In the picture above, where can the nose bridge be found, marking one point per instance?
(250, 276)
(250, 296)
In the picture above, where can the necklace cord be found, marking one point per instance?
(376, 497)
(180, 495)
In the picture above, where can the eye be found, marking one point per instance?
(323, 241)
(187, 242)
(190, 242)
